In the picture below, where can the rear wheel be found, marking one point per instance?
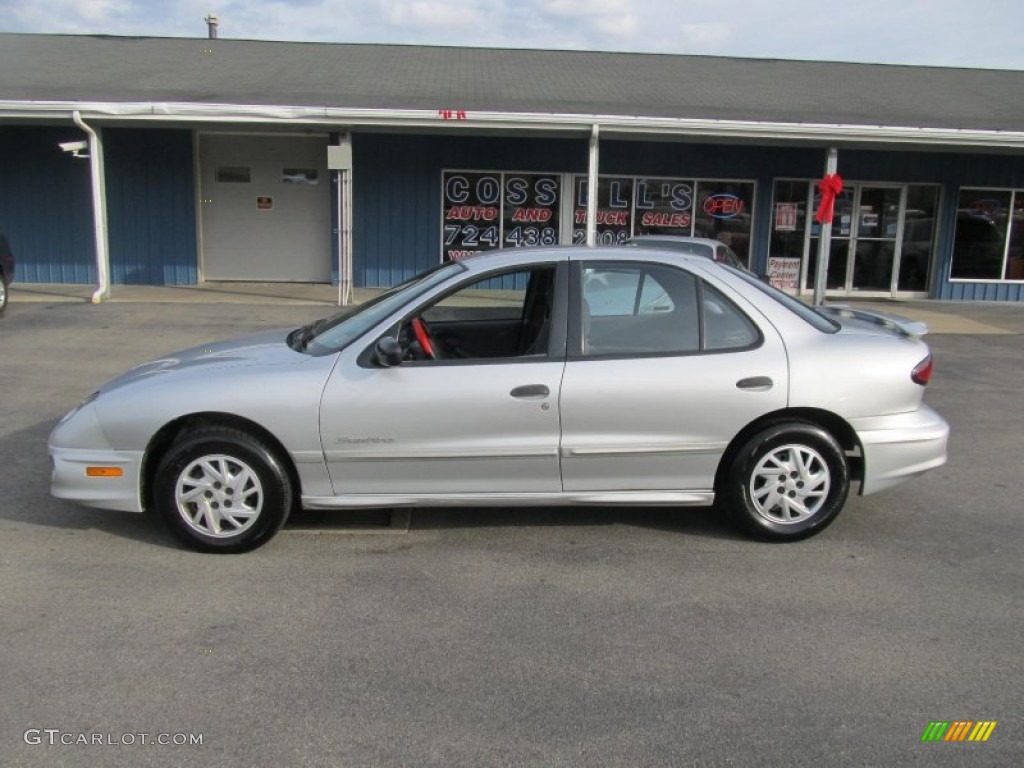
(787, 482)
(3, 294)
(222, 490)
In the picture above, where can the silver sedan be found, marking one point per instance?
(624, 376)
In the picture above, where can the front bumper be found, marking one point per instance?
(901, 446)
(69, 480)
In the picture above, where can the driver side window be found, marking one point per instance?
(504, 316)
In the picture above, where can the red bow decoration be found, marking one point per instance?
(830, 187)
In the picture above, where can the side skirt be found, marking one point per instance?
(594, 498)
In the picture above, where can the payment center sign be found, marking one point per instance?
(483, 211)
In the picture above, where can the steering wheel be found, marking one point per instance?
(426, 341)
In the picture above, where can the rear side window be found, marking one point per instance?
(652, 309)
(725, 326)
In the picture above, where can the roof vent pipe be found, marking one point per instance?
(211, 24)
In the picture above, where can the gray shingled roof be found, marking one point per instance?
(126, 69)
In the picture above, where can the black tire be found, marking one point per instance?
(248, 492)
(4, 288)
(805, 496)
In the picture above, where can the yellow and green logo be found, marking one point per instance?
(958, 730)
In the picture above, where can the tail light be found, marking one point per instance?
(922, 372)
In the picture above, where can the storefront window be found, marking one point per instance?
(483, 211)
(918, 237)
(979, 246)
(614, 210)
(530, 210)
(1015, 254)
(628, 206)
(789, 226)
(664, 207)
(724, 213)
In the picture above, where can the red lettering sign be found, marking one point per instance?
(471, 213)
(532, 214)
(652, 219)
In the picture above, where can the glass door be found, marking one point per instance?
(839, 252)
(876, 235)
(883, 238)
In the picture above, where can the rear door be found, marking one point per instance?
(663, 371)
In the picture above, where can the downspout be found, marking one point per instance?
(99, 209)
(592, 186)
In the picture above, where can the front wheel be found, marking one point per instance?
(221, 490)
(787, 482)
(3, 295)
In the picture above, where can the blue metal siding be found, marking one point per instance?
(151, 214)
(46, 205)
(968, 170)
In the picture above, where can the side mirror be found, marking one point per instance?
(389, 352)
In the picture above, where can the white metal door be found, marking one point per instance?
(265, 208)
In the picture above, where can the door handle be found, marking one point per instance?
(755, 383)
(530, 391)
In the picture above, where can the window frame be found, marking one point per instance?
(557, 333)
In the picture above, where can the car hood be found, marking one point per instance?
(266, 348)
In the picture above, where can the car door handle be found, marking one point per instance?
(530, 391)
(755, 383)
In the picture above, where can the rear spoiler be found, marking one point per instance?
(904, 325)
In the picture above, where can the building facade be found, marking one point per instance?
(242, 160)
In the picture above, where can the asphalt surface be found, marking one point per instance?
(506, 637)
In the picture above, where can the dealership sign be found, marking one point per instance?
(483, 211)
(486, 210)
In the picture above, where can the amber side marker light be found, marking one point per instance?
(104, 472)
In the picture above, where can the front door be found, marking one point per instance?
(874, 246)
(866, 239)
(473, 408)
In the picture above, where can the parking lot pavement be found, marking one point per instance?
(499, 637)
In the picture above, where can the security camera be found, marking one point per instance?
(74, 147)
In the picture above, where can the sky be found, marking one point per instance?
(956, 33)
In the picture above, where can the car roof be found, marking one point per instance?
(487, 261)
(641, 239)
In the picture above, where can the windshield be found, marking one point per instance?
(338, 331)
(797, 307)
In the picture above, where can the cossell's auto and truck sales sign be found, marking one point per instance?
(483, 210)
